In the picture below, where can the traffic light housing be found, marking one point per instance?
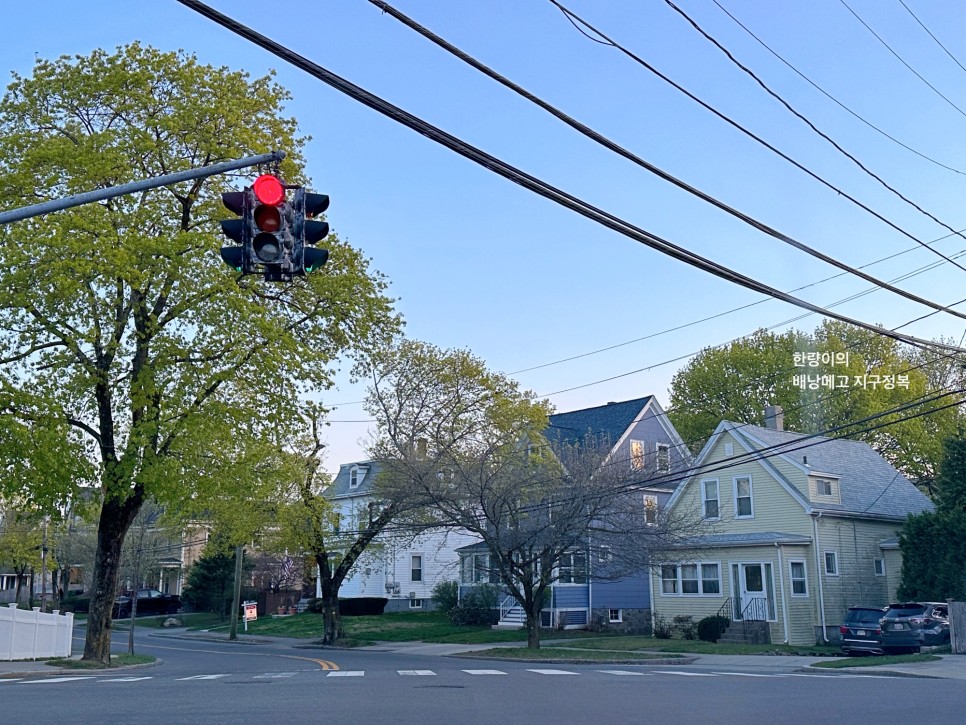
(308, 232)
(238, 230)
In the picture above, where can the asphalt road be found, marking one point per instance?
(218, 682)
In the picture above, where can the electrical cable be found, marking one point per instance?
(532, 183)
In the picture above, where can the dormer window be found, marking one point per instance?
(356, 475)
(824, 488)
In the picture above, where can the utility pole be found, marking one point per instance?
(236, 596)
(43, 569)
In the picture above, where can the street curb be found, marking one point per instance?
(811, 669)
(79, 671)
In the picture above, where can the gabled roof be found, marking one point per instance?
(869, 485)
(340, 485)
(605, 423)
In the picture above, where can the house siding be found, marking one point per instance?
(628, 593)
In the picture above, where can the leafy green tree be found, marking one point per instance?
(210, 586)
(932, 543)
(127, 347)
(20, 542)
(737, 382)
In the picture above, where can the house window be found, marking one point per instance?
(729, 449)
(710, 579)
(831, 563)
(354, 477)
(650, 509)
(702, 578)
(417, 568)
(415, 603)
(796, 571)
(614, 615)
(669, 580)
(879, 566)
(743, 507)
(663, 458)
(604, 554)
(824, 487)
(637, 454)
(709, 495)
(572, 568)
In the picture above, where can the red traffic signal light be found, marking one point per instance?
(269, 190)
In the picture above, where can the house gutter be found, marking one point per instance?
(818, 575)
(781, 584)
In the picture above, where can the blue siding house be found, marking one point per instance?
(637, 431)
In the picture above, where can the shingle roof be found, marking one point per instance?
(868, 483)
(754, 538)
(604, 422)
(340, 486)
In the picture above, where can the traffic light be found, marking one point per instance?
(263, 230)
(307, 231)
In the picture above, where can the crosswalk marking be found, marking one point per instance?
(274, 675)
(125, 679)
(347, 673)
(10, 679)
(484, 672)
(624, 672)
(552, 672)
(417, 672)
(685, 674)
(203, 677)
(52, 680)
(747, 674)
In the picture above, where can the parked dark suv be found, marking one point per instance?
(860, 631)
(909, 626)
(150, 601)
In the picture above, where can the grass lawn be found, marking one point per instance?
(695, 646)
(116, 661)
(873, 661)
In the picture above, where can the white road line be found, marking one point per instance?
(684, 674)
(126, 679)
(10, 679)
(624, 672)
(56, 679)
(416, 672)
(552, 672)
(484, 672)
(274, 675)
(748, 674)
(203, 677)
(824, 677)
(347, 673)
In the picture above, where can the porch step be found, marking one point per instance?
(747, 632)
(513, 619)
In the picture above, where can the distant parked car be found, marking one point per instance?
(907, 627)
(861, 631)
(150, 601)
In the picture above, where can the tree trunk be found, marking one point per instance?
(331, 622)
(112, 528)
(533, 628)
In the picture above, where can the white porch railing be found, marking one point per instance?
(31, 634)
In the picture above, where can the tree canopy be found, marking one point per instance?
(836, 377)
(126, 344)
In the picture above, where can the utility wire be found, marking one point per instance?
(900, 58)
(618, 149)
(833, 98)
(922, 25)
(573, 18)
(534, 184)
(803, 118)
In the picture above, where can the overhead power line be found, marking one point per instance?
(838, 147)
(922, 25)
(616, 148)
(574, 19)
(832, 98)
(534, 184)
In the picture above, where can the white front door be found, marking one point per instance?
(754, 598)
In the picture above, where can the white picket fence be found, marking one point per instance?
(28, 635)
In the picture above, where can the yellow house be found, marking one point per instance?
(799, 528)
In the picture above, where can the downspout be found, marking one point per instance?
(818, 575)
(781, 585)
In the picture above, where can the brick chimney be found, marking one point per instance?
(774, 417)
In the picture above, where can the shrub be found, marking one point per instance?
(684, 626)
(711, 628)
(446, 595)
(662, 628)
(479, 606)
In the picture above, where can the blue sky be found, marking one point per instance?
(481, 263)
